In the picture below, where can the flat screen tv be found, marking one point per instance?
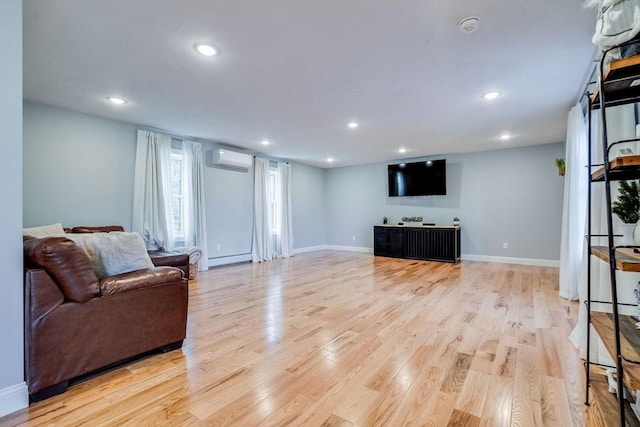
(426, 178)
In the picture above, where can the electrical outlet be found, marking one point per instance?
(353, 237)
(505, 245)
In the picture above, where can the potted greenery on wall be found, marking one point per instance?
(560, 164)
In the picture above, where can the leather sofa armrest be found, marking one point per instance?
(126, 282)
(42, 295)
(168, 259)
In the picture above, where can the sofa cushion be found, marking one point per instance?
(113, 253)
(139, 279)
(96, 229)
(66, 263)
(44, 231)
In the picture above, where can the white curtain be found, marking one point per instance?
(574, 206)
(262, 248)
(194, 198)
(620, 125)
(285, 247)
(151, 194)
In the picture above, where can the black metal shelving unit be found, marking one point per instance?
(618, 84)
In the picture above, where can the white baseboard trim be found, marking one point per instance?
(13, 398)
(232, 259)
(350, 249)
(310, 249)
(510, 260)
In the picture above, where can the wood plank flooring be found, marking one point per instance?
(347, 339)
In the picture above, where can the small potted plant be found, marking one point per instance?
(627, 207)
(560, 164)
(456, 221)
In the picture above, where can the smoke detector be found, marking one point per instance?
(469, 25)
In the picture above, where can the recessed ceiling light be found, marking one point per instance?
(265, 142)
(505, 136)
(206, 49)
(352, 125)
(116, 100)
(402, 150)
(330, 159)
(491, 95)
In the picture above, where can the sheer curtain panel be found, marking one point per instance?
(151, 196)
(572, 243)
(262, 248)
(194, 221)
(285, 248)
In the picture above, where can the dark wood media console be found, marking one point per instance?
(432, 243)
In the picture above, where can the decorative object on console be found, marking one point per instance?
(412, 220)
(384, 220)
(456, 220)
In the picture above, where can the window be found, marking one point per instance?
(274, 203)
(177, 194)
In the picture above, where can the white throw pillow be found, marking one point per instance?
(113, 253)
(44, 231)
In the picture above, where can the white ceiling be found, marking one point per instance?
(296, 71)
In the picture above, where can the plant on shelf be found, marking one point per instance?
(412, 218)
(560, 164)
(628, 204)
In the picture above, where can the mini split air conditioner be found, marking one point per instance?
(231, 159)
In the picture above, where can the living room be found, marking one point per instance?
(76, 166)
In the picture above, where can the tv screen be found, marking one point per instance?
(426, 178)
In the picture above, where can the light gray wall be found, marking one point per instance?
(511, 195)
(308, 194)
(78, 168)
(229, 210)
(13, 393)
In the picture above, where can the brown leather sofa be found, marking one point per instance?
(76, 323)
(159, 258)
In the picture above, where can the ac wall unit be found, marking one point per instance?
(231, 159)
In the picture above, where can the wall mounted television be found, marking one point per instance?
(426, 178)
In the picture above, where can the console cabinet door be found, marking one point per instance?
(380, 241)
(388, 241)
(396, 242)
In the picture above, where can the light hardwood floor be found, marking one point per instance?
(347, 339)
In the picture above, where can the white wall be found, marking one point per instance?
(229, 198)
(13, 391)
(78, 170)
(511, 195)
(308, 193)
